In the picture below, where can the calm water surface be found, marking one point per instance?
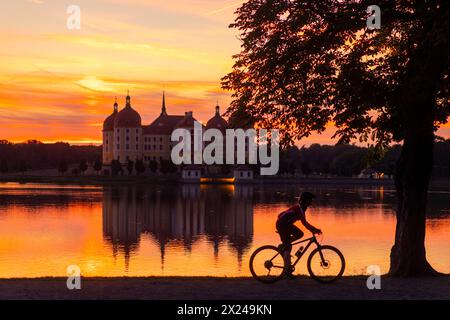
(192, 230)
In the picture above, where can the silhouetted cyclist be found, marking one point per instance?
(289, 232)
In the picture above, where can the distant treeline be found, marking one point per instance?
(340, 160)
(350, 160)
(35, 155)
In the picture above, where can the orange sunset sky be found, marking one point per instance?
(59, 85)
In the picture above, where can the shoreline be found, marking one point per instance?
(211, 288)
(438, 183)
(102, 180)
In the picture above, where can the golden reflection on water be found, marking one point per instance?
(190, 230)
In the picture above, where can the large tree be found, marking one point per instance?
(304, 64)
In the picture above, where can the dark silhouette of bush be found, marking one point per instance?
(116, 167)
(63, 167)
(153, 166)
(97, 166)
(130, 166)
(23, 167)
(139, 166)
(83, 166)
(3, 166)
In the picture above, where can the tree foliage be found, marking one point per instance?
(130, 166)
(45, 155)
(153, 166)
(3, 166)
(306, 63)
(83, 166)
(63, 166)
(116, 167)
(97, 165)
(139, 166)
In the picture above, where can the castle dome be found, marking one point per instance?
(217, 122)
(108, 124)
(127, 117)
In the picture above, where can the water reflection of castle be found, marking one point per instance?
(178, 214)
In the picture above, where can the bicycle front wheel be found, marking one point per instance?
(326, 264)
(267, 264)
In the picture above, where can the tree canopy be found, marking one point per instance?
(305, 64)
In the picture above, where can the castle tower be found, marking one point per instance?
(127, 134)
(108, 136)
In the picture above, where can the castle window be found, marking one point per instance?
(160, 139)
(137, 139)
(128, 138)
(160, 147)
(128, 130)
(128, 147)
(118, 147)
(137, 147)
(154, 138)
(154, 147)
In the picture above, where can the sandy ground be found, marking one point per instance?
(224, 288)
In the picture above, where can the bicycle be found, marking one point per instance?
(325, 263)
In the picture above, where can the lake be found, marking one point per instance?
(193, 230)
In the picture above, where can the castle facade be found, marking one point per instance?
(126, 138)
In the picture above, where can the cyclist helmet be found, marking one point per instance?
(305, 195)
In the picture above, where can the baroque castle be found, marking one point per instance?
(126, 138)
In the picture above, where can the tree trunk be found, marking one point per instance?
(408, 256)
(417, 110)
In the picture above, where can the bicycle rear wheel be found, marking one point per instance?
(267, 264)
(326, 264)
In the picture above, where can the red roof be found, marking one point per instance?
(164, 124)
